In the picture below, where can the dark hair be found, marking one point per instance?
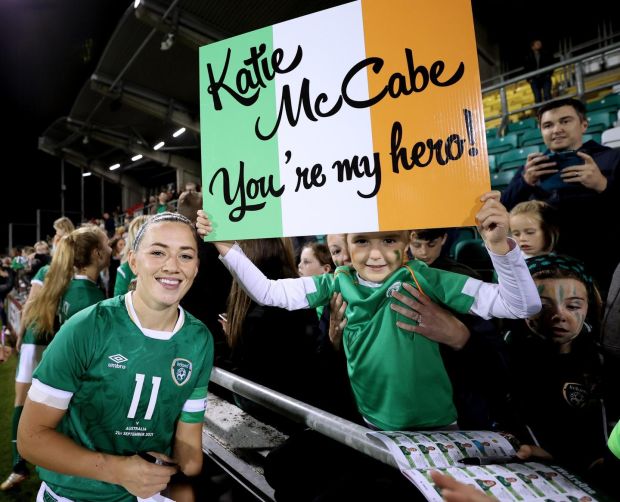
(188, 205)
(321, 252)
(276, 259)
(114, 243)
(429, 234)
(577, 105)
(554, 266)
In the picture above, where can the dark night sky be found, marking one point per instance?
(44, 64)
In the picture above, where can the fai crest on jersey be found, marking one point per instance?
(575, 394)
(394, 287)
(181, 371)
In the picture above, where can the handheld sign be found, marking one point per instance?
(364, 117)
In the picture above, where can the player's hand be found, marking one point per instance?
(337, 320)
(144, 479)
(434, 322)
(493, 223)
(588, 174)
(537, 167)
(455, 491)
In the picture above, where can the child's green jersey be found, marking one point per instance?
(124, 387)
(398, 377)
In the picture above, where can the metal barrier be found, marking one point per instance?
(577, 61)
(332, 426)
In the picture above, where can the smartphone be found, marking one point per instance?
(562, 160)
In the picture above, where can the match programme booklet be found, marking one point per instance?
(418, 453)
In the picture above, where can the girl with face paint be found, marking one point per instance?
(555, 365)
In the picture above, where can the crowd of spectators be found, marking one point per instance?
(547, 376)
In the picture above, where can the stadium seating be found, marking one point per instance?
(599, 121)
(531, 137)
(500, 145)
(462, 234)
(492, 163)
(501, 179)
(474, 254)
(522, 125)
(610, 103)
(596, 137)
(492, 132)
(514, 158)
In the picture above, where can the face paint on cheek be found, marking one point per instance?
(561, 291)
(540, 288)
(398, 255)
(580, 318)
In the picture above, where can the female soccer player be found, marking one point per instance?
(70, 286)
(124, 380)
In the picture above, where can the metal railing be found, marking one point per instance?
(575, 71)
(332, 426)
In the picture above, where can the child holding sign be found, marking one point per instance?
(398, 377)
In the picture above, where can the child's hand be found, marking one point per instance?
(203, 224)
(493, 223)
(204, 228)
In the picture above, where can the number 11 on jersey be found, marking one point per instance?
(138, 392)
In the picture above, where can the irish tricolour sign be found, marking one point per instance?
(364, 117)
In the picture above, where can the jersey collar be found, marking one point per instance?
(153, 333)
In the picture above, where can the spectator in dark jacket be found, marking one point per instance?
(586, 196)
(537, 57)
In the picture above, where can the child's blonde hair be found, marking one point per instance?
(545, 215)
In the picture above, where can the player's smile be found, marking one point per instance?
(165, 264)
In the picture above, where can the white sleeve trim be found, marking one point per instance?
(120, 270)
(194, 405)
(50, 396)
(515, 297)
(36, 281)
(290, 294)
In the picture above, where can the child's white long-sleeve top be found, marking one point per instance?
(398, 377)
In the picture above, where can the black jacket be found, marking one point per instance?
(589, 227)
(558, 396)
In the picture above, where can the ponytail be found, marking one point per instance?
(73, 250)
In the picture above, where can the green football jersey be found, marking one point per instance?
(39, 277)
(81, 293)
(125, 387)
(398, 377)
(124, 276)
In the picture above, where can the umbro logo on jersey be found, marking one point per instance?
(117, 361)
